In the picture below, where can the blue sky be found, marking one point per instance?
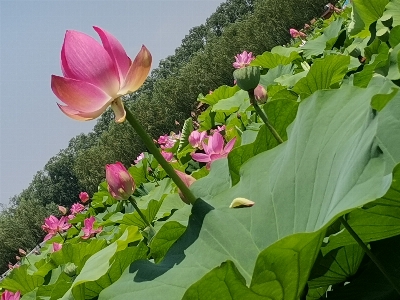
(31, 34)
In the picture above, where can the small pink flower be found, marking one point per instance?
(243, 60)
(88, 230)
(188, 180)
(163, 139)
(57, 247)
(11, 266)
(22, 252)
(120, 182)
(84, 197)
(196, 138)
(77, 208)
(17, 257)
(218, 129)
(7, 295)
(214, 149)
(294, 33)
(167, 155)
(96, 76)
(52, 226)
(62, 209)
(139, 158)
(260, 93)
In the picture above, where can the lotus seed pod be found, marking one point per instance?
(247, 78)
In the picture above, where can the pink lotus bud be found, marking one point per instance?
(260, 94)
(17, 257)
(62, 209)
(188, 180)
(167, 155)
(120, 183)
(7, 295)
(57, 247)
(22, 252)
(84, 197)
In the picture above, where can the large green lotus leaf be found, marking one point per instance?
(379, 60)
(106, 266)
(231, 104)
(223, 92)
(380, 221)
(393, 9)
(19, 280)
(394, 66)
(323, 73)
(370, 283)
(270, 60)
(330, 165)
(366, 12)
(319, 44)
(272, 74)
(336, 266)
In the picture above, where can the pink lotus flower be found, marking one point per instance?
(84, 197)
(88, 230)
(62, 209)
(243, 60)
(169, 156)
(139, 158)
(77, 208)
(196, 139)
(294, 33)
(96, 76)
(120, 182)
(188, 180)
(7, 295)
(163, 139)
(218, 129)
(52, 226)
(57, 247)
(214, 149)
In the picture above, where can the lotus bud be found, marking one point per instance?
(187, 180)
(17, 257)
(120, 183)
(22, 252)
(241, 202)
(62, 209)
(84, 197)
(247, 78)
(70, 269)
(260, 94)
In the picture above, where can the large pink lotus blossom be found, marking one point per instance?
(7, 295)
(52, 226)
(96, 76)
(294, 33)
(84, 197)
(243, 60)
(120, 182)
(196, 139)
(214, 149)
(77, 208)
(88, 230)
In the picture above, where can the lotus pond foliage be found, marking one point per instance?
(285, 185)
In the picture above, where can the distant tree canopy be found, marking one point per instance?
(202, 63)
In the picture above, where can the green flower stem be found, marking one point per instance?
(370, 254)
(161, 160)
(264, 117)
(142, 216)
